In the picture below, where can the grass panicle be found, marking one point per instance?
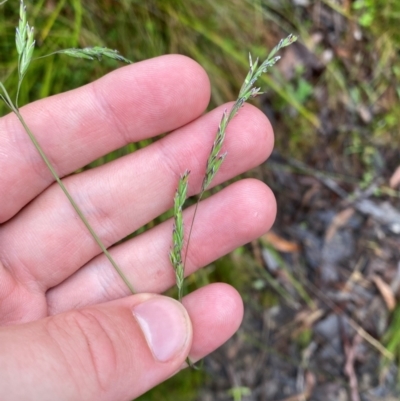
(25, 44)
(175, 254)
(216, 158)
(27, 52)
(20, 34)
(246, 92)
(92, 53)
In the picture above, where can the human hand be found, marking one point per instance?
(69, 328)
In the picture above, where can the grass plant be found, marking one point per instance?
(215, 160)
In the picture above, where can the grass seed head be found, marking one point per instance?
(96, 52)
(24, 41)
(175, 255)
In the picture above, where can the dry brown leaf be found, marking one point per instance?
(395, 179)
(309, 317)
(306, 319)
(279, 243)
(386, 292)
(338, 221)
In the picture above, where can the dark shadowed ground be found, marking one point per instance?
(322, 320)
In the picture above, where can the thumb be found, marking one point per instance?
(113, 351)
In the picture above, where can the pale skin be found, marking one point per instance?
(69, 328)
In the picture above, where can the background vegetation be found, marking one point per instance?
(333, 101)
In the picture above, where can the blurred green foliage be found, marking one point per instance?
(182, 387)
(218, 35)
(381, 16)
(391, 339)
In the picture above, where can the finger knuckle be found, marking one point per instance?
(90, 346)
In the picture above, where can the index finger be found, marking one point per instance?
(74, 128)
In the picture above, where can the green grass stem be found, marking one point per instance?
(32, 137)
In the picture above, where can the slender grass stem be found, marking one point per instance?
(71, 200)
(17, 95)
(73, 203)
(16, 111)
(190, 232)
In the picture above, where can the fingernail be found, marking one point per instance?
(165, 324)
